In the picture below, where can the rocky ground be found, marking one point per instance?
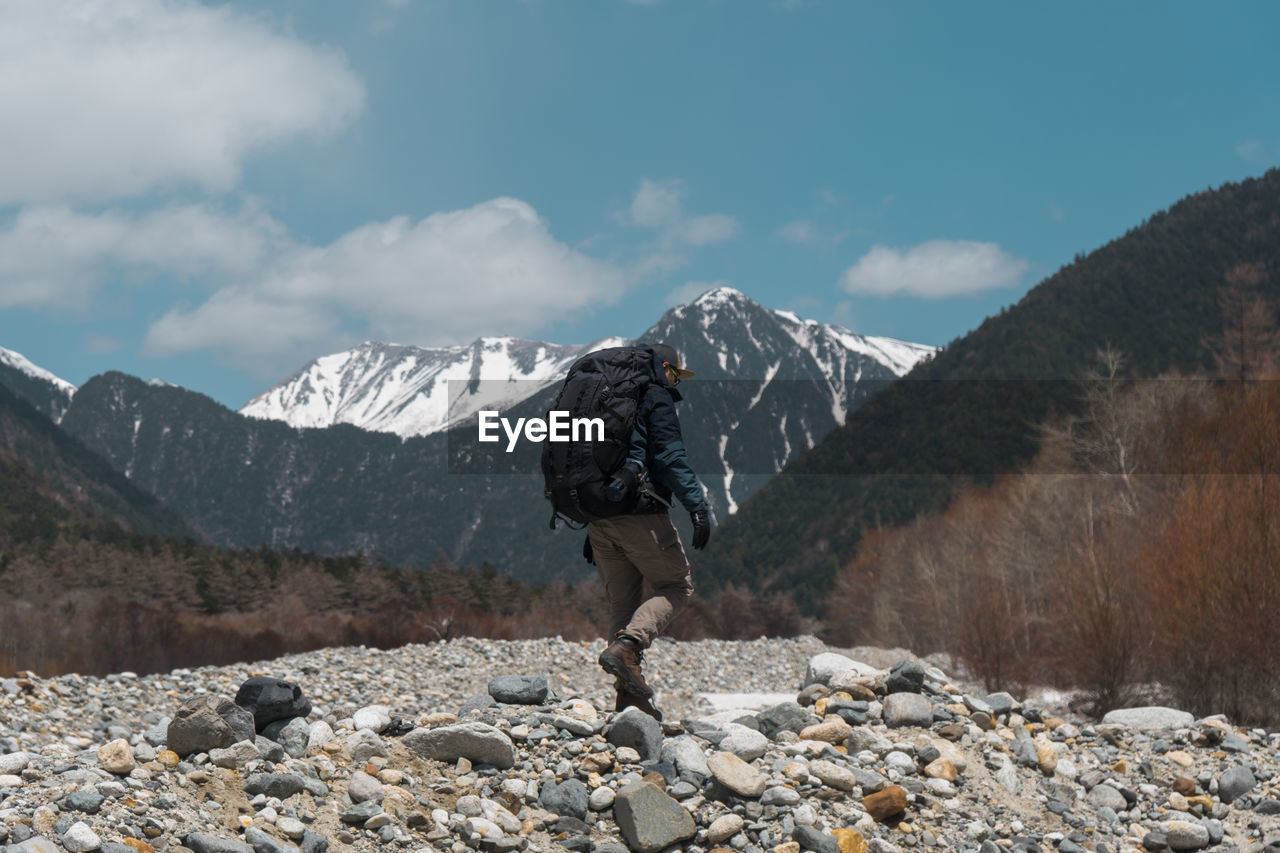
(508, 746)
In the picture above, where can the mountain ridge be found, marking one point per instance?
(385, 387)
(972, 410)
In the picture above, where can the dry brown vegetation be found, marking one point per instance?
(1140, 546)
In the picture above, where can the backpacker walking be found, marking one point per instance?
(636, 541)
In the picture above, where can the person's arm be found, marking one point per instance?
(660, 431)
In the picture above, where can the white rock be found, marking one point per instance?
(375, 718)
(747, 744)
(824, 666)
(601, 798)
(79, 838)
(13, 763)
(1149, 717)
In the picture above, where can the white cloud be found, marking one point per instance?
(801, 231)
(711, 228)
(494, 267)
(660, 205)
(657, 204)
(57, 257)
(112, 100)
(690, 291)
(934, 269)
(1251, 150)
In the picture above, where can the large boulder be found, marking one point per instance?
(519, 689)
(636, 729)
(1149, 718)
(567, 798)
(208, 722)
(270, 699)
(479, 743)
(823, 667)
(649, 820)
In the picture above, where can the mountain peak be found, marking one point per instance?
(722, 295)
(18, 361)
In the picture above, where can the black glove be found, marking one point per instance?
(701, 529)
(588, 554)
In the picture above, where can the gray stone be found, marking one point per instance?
(313, 843)
(780, 796)
(292, 734)
(865, 738)
(263, 843)
(1106, 796)
(785, 717)
(36, 845)
(907, 676)
(279, 785)
(1235, 782)
(1149, 718)
(234, 756)
(686, 755)
(201, 842)
(364, 745)
(737, 775)
(568, 798)
(812, 839)
(269, 699)
(477, 742)
(1002, 703)
(476, 703)
(636, 729)
(649, 820)
(88, 802)
(268, 750)
(1186, 835)
(743, 742)
(363, 787)
(519, 689)
(907, 709)
(360, 812)
(208, 722)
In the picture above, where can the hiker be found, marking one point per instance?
(643, 545)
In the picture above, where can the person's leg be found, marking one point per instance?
(652, 545)
(623, 583)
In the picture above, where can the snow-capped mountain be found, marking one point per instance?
(49, 393)
(411, 390)
(769, 385)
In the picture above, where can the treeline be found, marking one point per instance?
(1139, 548)
(82, 594)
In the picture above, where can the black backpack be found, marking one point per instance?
(608, 384)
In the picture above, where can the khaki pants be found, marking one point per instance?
(632, 549)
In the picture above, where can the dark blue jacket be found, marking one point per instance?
(658, 443)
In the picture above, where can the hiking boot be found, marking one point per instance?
(627, 700)
(622, 660)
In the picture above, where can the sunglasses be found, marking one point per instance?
(671, 374)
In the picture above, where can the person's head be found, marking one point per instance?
(671, 363)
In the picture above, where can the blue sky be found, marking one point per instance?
(213, 194)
